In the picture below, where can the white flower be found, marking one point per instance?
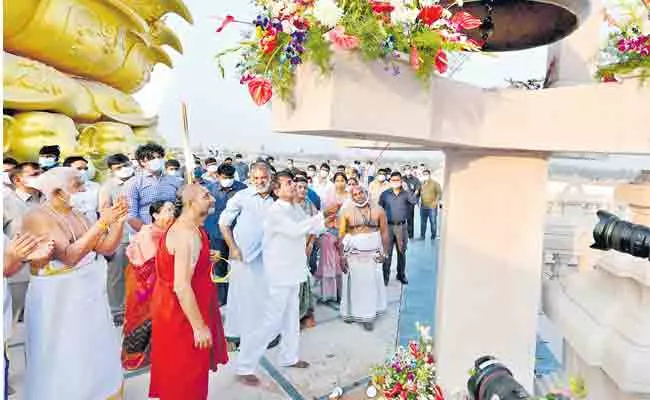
(426, 3)
(327, 12)
(459, 3)
(404, 15)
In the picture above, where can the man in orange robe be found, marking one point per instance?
(187, 334)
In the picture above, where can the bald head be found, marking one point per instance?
(197, 200)
(191, 192)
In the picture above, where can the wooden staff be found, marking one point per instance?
(189, 159)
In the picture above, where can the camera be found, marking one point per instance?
(491, 380)
(612, 233)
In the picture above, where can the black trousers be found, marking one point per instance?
(410, 218)
(221, 268)
(401, 255)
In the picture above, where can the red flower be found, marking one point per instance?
(260, 90)
(394, 391)
(269, 42)
(226, 21)
(430, 14)
(430, 359)
(478, 43)
(414, 58)
(413, 347)
(466, 20)
(609, 78)
(301, 23)
(438, 393)
(381, 7)
(441, 61)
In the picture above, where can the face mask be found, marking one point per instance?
(155, 165)
(77, 201)
(407, 173)
(396, 185)
(172, 172)
(324, 174)
(426, 177)
(135, 164)
(363, 204)
(212, 210)
(381, 178)
(46, 162)
(85, 175)
(227, 182)
(212, 168)
(30, 181)
(311, 173)
(124, 173)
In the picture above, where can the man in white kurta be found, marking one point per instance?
(248, 289)
(286, 228)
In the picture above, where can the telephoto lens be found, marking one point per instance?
(611, 233)
(491, 380)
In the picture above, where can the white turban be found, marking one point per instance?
(56, 178)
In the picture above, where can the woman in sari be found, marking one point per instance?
(140, 276)
(72, 347)
(329, 263)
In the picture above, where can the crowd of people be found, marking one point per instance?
(161, 256)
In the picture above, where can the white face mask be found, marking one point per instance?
(311, 173)
(30, 181)
(381, 178)
(396, 185)
(172, 172)
(155, 165)
(324, 174)
(124, 172)
(426, 177)
(85, 175)
(46, 162)
(212, 210)
(212, 168)
(227, 182)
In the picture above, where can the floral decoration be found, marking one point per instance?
(411, 373)
(627, 53)
(288, 33)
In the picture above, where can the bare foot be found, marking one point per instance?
(248, 380)
(300, 364)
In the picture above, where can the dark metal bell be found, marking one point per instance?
(510, 25)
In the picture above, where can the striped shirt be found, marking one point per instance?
(144, 189)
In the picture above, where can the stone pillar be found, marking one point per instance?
(637, 197)
(491, 258)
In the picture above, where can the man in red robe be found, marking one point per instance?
(187, 335)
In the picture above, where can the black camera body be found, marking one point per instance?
(612, 233)
(491, 380)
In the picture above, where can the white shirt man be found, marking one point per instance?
(247, 286)
(286, 228)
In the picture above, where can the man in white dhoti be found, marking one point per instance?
(247, 292)
(73, 351)
(286, 228)
(364, 233)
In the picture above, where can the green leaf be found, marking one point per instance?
(428, 39)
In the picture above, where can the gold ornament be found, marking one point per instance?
(102, 139)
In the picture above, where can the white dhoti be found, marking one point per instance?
(364, 293)
(280, 314)
(73, 351)
(247, 293)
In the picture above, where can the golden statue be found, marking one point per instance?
(25, 134)
(73, 62)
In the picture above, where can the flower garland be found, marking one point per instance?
(288, 33)
(628, 49)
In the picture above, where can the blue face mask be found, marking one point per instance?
(46, 162)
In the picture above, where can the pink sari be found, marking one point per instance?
(329, 264)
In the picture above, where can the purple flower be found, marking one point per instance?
(295, 60)
(276, 24)
(410, 376)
